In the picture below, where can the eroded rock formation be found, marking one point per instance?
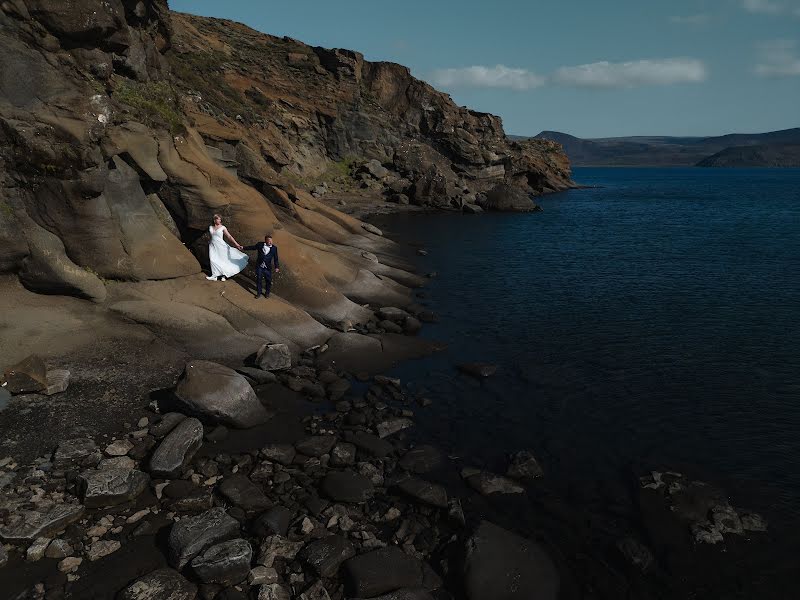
(124, 127)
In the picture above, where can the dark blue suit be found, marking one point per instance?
(267, 255)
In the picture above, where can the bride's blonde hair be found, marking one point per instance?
(215, 217)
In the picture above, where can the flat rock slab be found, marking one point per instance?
(422, 459)
(27, 525)
(274, 357)
(326, 554)
(110, 487)
(316, 445)
(191, 535)
(227, 563)
(244, 493)
(162, 584)
(381, 571)
(424, 492)
(81, 451)
(477, 369)
(501, 565)
(346, 486)
(27, 376)
(220, 395)
(177, 449)
(486, 483)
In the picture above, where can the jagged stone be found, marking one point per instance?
(191, 535)
(524, 467)
(370, 445)
(393, 425)
(272, 521)
(343, 454)
(280, 453)
(110, 487)
(102, 548)
(176, 450)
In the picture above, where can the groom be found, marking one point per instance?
(267, 254)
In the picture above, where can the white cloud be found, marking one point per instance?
(766, 7)
(779, 58)
(634, 73)
(698, 19)
(499, 76)
(772, 7)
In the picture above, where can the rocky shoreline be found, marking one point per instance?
(302, 479)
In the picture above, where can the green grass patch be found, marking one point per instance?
(153, 103)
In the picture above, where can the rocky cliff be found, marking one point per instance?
(124, 127)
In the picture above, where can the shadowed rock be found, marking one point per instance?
(227, 563)
(346, 486)
(110, 487)
(220, 395)
(27, 525)
(162, 584)
(177, 449)
(274, 357)
(27, 376)
(424, 491)
(245, 494)
(191, 535)
(500, 565)
(326, 554)
(381, 571)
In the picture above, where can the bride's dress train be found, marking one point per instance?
(226, 261)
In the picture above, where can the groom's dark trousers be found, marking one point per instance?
(267, 275)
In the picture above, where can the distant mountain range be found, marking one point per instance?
(772, 149)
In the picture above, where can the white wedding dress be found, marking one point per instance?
(226, 261)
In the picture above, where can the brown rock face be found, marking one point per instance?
(124, 128)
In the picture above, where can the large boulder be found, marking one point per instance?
(245, 494)
(274, 357)
(220, 395)
(191, 535)
(162, 584)
(501, 565)
(507, 198)
(177, 449)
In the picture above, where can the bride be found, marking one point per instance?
(225, 260)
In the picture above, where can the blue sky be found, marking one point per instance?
(585, 67)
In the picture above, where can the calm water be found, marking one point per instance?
(651, 322)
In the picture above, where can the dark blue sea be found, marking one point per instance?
(649, 322)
